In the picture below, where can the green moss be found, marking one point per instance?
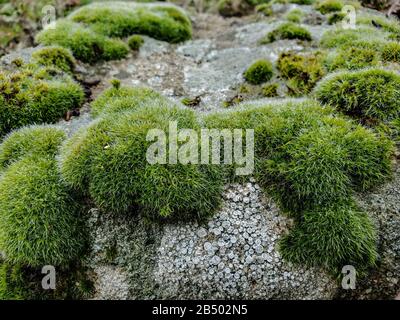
(391, 25)
(361, 37)
(301, 70)
(371, 93)
(294, 15)
(39, 224)
(100, 160)
(259, 72)
(335, 17)
(85, 44)
(118, 99)
(135, 42)
(270, 90)
(30, 141)
(289, 31)
(352, 58)
(57, 57)
(328, 6)
(18, 282)
(265, 9)
(36, 95)
(304, 2)
(162, 22)
(391, 52)
(332, 237)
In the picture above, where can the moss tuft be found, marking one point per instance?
(352, 58)
(57, 57)
(135, 42)
(30, 141)
(270, 90)
(365, 94)
(259, 72)
(391, 52)
(85, 44)
(328, 6)
(100, 161)
(289, 31)
(301, 70)
(36, 95)
(265, 9)
(332, 237)
(335, 17)
(294, 15)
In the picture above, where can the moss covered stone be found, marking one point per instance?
(352, 58)
(92, 32)
(259, 72)
(328, 6)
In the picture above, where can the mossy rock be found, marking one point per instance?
(92, 32)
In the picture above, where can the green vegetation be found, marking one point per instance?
(92, 32)
(118, 99)
(39, 222)
(332, 237)
(36, 94)
(308, 159)
(107, 160)
(270, 90)
(259, 72)
(30, 141)
(365, 94)
(391, 52)
(57, 57)
(305, 2)
(135, 42)
(265, 9)
(294, 15)
(328, 6)
(335, 17)
(351, 58)
(85, 44)
(289, 31)
(302, 71)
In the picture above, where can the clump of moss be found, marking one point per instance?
(391, 52)
(308, 159)
(135, 42)
(36, 95)
(259, 72)
(54, 56)
(30, 141)
(391, 25)
(121, 19)
(332, 237)
(294, 15)
(301, 70)
(99, 160)
(85, 44)
(365, 94)
(92, 31)
(352, 58)
(265, 9)
(328, 6)
(335, 17)
(39, 222)
(270, 90)
(304, 2)
(119, 99)
(289, 31)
